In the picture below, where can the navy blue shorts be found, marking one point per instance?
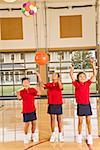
(55, 109)
(84, 110)
(29, 117)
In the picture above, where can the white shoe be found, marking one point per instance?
(60, 137)
(89, 139)
(26, 139)
(53, 137)
(79, 139)
(35, 137)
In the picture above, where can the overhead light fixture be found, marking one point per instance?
(9, 1)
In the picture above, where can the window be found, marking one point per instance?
(22, 56)
(6, 76)
(29, 72)
(80, 59)
(1, 58)
(17, 79)
(12, 56)
(2, 77)
(11, 76)
(13, 70)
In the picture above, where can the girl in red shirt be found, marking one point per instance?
(54, 90)
(27, 95)
(82, 98)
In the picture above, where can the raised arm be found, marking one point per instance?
(94, 69)
(39, 78)
(71, 73)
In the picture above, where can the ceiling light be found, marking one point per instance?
(9, 1)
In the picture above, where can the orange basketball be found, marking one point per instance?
(41, 58)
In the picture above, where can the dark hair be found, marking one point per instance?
(25, 78)
(79, 75)
(58, 75)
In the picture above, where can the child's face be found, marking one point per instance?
(82, 78)
(26, 83)
(55, 77)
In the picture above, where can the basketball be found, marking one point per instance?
(41, 58)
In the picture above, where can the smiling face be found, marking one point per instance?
(26, 83)
(81, 77)
(55, 77)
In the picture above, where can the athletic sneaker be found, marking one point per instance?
(79, 139)
(53, 137)
(60, 137)
(89, 139)
(35, 137)
(26, 139)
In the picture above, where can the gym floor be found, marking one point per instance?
(11, 127)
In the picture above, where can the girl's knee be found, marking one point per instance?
(58, 118)
(27, 124)
(80, 121)
(88, 120)
(52, 118)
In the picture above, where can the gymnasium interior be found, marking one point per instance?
(68, 31)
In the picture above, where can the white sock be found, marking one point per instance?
(25, 135)
(60, 133)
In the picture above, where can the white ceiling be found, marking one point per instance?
(1, 1)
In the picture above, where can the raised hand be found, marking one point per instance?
(94, 68)
(37, 73)
(71, 67)
(71, 72)
(92, 61)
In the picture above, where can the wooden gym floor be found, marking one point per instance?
(11, 128)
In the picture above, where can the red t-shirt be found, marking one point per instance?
(28, 99)
(82, 91)
(54, 93)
